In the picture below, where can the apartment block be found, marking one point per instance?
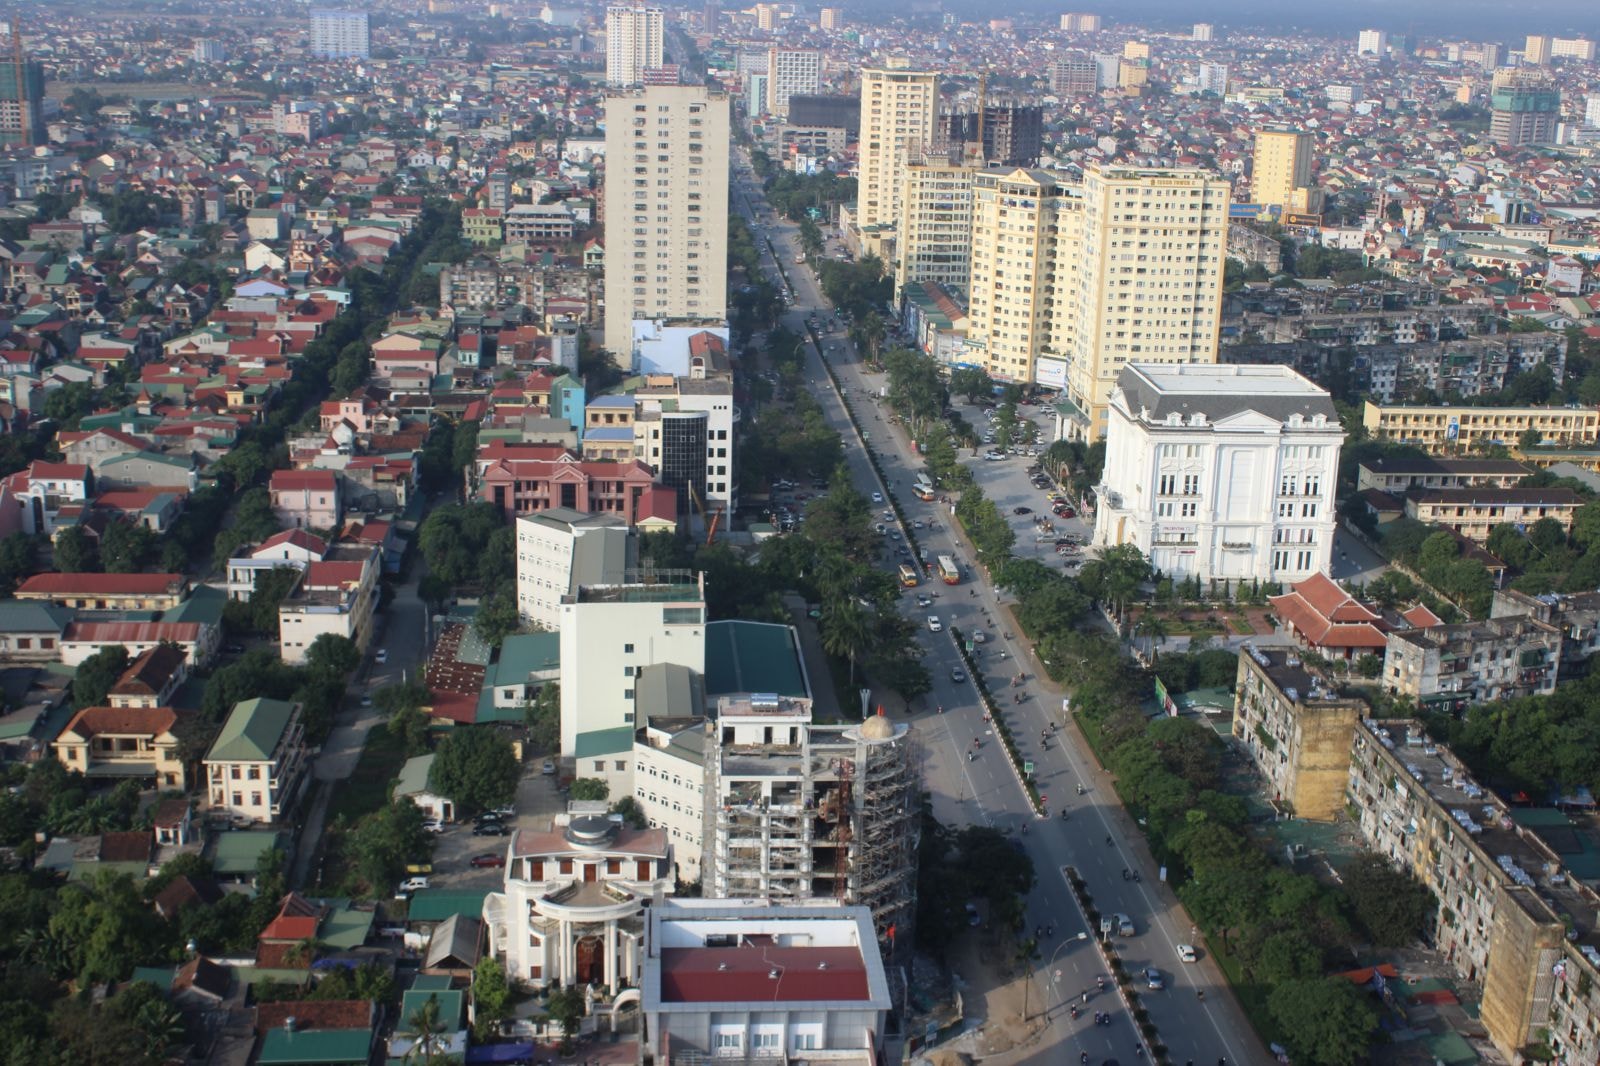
(1523, 108)
(255, 769)
(669, 764)
(800, 810)
(1010, 135)
(1536, 49)
(1221, 472)
(21, 103)
(686, 429)
(336, 596)
(1581, 49)
(340, 34)
(666, 202)
(559, 550)
(1575, 615)
(1280, 166)
(934, 242)
(899, 123)
(1400, 476)
(1373, 43)
(1512, 919)
(1076, 22)
(1454, 666)
(634, 42)
(1474, 513)
(791, 71)
(1297, 733)
(1074, 75)
(1447, 429)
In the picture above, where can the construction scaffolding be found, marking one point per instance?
(803, 811)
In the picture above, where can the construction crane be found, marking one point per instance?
(19, 71)
(711, 522)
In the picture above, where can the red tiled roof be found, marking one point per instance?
(131, 632)
(293, 480)
(1422, 618)
(1316, 630)
(121, 721)
(56, 584)
(315, 1014)
(1331, 601)
(744, 975)
(134, 846)
(72, 471)
(298, 538)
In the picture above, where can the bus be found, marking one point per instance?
(949, 571)
(908, 576)
(924, 487)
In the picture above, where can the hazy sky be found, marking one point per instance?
(1491, 19)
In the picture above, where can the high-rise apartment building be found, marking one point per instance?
(1524, 108)
(1579, 48)
(1203, 31)
(1281, 165)
(340, 34)
(207, 50)
(1070, 281)
(1073, 74)
(666, 201)
(1372, 43)
(830, 18)
(1080, 23)
(767, 17)
(934, 240)
(1145, 284)
(1009, 134)
(1536, 50)
(711, 18)
(899, 117)
(1212, 78)
(633, 43)
(21, 104)
(1591, 110)
(791, 71)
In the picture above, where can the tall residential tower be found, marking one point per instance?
(899, 118)
(633, 43)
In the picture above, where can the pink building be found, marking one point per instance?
(307, 499)
(525, 478)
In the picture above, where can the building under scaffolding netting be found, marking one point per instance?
(798, 810)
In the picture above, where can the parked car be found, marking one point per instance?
(924, 601)
(1021, 510)
(413, 884)
(486, 816)
(433, 825)
(972, 915)
(548, 768)
(488, 859)
(382, 656)
(490, 829)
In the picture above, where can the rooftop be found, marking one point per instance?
(763, 974)
(746, 656)
(252, 731)
(1152, 391)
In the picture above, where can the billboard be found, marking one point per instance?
(1245, 210)
(1050, 373)
(1165, 700)
(1294, 219)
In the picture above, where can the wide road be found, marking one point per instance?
(978, 787)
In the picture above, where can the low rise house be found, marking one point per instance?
(306, 499)
(335, 595)
(412, 784)
(255, 769)
(151, 679)
(107, 592)
(294, 548)
(124, 742)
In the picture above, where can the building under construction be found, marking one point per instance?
(798, 810)
(21, 96)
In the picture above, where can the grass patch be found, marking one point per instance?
(1242, 626)
(367, 789)
(1252, 996)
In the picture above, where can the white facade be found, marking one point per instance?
(899, 114)
(663, 348)
(666, 207)
(934, 240)
(709, 402)
(791, 71)
(337, 596)
(254, 767)
(340, 34)
(547, 546)
(609, 633)
(1221, 472)
(633, 43)
(669, 784)
(1372, 43)
(572, 906)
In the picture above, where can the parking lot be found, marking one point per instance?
(538, 800)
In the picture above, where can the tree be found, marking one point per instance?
(1326, 1021)
(1391, 905)
(424, 1027)
(589, 788)
(72, 552)
(543, 716)
(497, 618)
(845, 631)
(566, 1008)
(385, 841)
(333, 656)
(491, 993)
(96, 674)
(477, 768)
(631, 812)
(124, 547)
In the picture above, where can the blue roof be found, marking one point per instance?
(622, 434)
(617, 400)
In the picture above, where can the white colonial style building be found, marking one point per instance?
(571, 911)
(1221, 472)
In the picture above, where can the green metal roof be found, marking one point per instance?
(204, 605)
(746, 656)
(602, 742)
(160, 976)
(252, 731)
(280, 1046)
(345, 928)
(437, 904)
(451, 1003)
(523, 654)
(436, 982)
(238, 849)
(413, 776)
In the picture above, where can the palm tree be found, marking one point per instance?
(1155, 628)
(845, 631)
(423, 1028)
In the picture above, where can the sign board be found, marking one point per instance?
(1295, 219)
(1244, 210)
(1166, 701)
(1027, 768)
(1453, 429)
(1049, 372)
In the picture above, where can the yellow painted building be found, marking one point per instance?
(1281, 164)
(1446, 430)
(899, 113)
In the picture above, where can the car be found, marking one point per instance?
(366, 701)
(1153, 979)
(486, 816)
(433, 825)
(487, 859)
(549, 767)
(882, 529)
(877, 497)
(508, 810)
(382, 656)
(994, 457)
(916, 523)
(490, 829)
(1124, 925)
(924, 601)
(934, 625)
(894, 534)
(1022, 510)
(973, 918)
(1066, 512)
(979, 637)
(1187, 953)
(414, 884)
(958, 675)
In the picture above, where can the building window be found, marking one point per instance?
(599, 766)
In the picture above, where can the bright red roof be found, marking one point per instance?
(52, 583)
(744, 975)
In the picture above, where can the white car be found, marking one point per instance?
(413, 884)
(1186, 953)
(382, 656)
(433, 826)
(934, 625)
(877, 497)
